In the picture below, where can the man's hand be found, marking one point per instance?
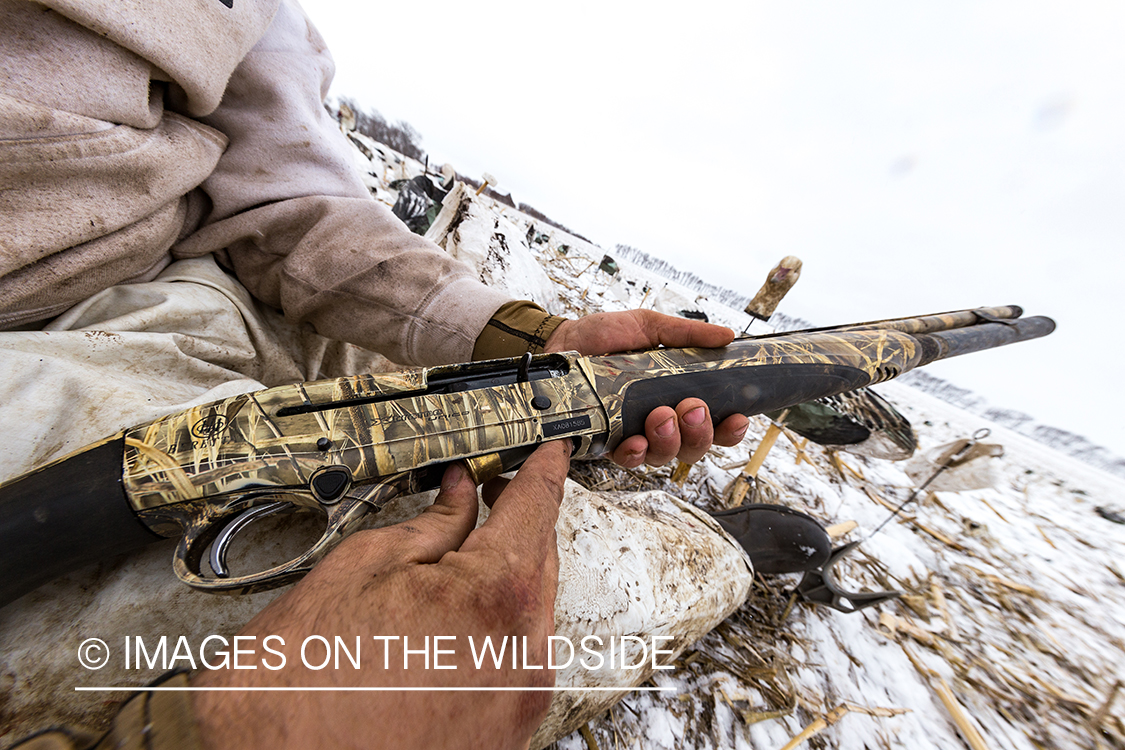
(684, 432)
(431, 576)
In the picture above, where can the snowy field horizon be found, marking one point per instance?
(1059, 438)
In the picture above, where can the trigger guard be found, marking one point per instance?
(189, 553)
(218, 558)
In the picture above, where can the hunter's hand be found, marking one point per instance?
(431, 576)
(684, 432)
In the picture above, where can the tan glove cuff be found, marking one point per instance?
(516, 328)
(150, 720)
(156, 720)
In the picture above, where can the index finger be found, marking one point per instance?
(673, 331)
(522, 522)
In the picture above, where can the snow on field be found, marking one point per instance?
(1011, 629)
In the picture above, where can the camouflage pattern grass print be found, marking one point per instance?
(250, 441)
(939, 321)
(242, 443)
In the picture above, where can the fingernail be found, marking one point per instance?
(453, 476)
(666, 428)
(740, 432)
(694, 417)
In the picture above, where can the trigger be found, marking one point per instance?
(241, 521)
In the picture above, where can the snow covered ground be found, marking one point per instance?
(1011, 630)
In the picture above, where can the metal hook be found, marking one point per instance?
(820, 586)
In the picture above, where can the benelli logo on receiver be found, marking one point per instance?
(210, 427)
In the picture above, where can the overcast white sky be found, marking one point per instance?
(917, 158)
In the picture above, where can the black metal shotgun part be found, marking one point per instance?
(820, 586)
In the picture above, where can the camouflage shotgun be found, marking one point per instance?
(345, 447)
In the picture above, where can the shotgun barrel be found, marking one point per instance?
(953, 343)
(922, 323)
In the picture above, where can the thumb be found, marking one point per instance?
(443, 526)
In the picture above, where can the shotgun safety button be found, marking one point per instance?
(541, 403)
(330, 483)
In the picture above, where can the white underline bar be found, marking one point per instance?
(141, 688)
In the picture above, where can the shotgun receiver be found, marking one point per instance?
(345, 447)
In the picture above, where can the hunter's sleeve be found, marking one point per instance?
(150, 720)
(517, 327)
(300, 229)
